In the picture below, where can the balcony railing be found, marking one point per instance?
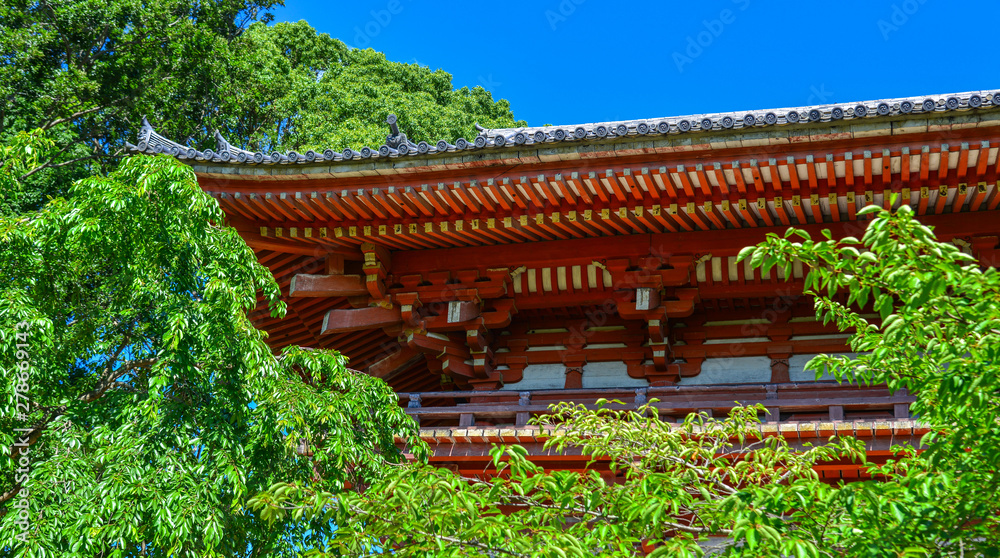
(784, 402)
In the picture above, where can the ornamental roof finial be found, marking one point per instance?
(391, 121)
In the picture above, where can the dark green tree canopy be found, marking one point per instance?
(296, 89)
(87, 72)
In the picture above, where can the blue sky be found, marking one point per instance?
(576, 61)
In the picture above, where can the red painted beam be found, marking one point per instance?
(355, 319)
(762, 348)
(304, 285)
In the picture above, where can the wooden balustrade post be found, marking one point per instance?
(523, 399)
(773, 413)
(836, 412)
(414, 403)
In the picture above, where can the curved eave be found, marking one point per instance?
(554, 143)
(734, 144)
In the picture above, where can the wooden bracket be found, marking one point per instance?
(460, 311)
(501, 314)
(694, 356)
(648, 272)
(515, 371)
(632, 306)
(356, 319)
(658, 330)
(479, 338)
(334, 264)
(662, 356)
(451, 354)
(779, 332)
(482, 363)
(647, 298)
(409, 308)
(453, 365)
(307, 285)
(376, 267)
(779, 362)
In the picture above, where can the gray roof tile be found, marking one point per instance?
(397, 145)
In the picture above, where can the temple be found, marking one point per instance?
(488, 278)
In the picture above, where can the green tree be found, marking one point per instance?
(87, 72)
(149, 408)
(939, 339)
(291, 88)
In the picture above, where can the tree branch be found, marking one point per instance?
(447, 539)
(47, 163)
(78, 114)
(107, 381)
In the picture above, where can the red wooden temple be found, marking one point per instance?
(487, 278)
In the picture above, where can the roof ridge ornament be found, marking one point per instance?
(228, 151)
(151, 143)
(396, 142)
(391, 121)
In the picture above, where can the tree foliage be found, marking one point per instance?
(150, 409)
(720, 484)
(294, 88)
(680, 484)
(87, 72)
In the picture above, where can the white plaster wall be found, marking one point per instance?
(595, 375)
(540, 376)
(609, 375)
(732, 370)
(798, 373)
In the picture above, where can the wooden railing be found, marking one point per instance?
(786, 402)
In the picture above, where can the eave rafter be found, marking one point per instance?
(816, 188)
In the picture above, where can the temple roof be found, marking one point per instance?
(543, 223)
(397, 145)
